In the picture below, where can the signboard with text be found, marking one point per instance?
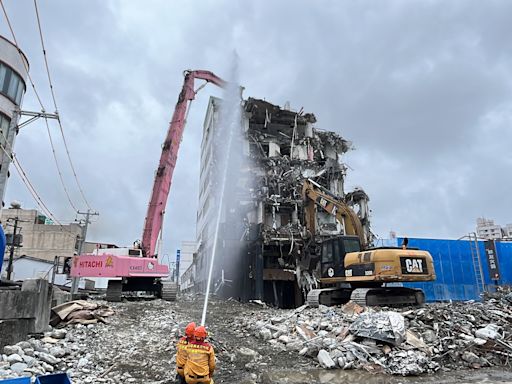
(492, 259)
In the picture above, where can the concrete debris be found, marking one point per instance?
(405, 342)
(89, 353)
(325, 359)
(77, 312)
(384, 326)
(490, 331)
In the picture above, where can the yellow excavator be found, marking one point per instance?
(348, 268)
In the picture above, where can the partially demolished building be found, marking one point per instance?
(266, 250)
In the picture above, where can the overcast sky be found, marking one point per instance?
(422, 89)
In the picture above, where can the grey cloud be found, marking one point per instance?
(421, 88)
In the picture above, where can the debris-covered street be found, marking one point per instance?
(256, 344)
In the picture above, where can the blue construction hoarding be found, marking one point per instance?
(455, 267)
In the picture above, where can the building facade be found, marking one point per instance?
(41, 238)
(187, 252)
(13, 72)
(487, 229)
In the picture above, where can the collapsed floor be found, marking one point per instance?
(256, 344)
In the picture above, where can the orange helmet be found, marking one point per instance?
(189, 330)
(200, 332)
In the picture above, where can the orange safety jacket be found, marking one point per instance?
(181, 355)
(200, 359)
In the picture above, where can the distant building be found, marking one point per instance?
(487, 229)
(188, 249)
(508, 231)
(42, 239)
(187, 278)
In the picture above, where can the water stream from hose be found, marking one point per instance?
(229, 125)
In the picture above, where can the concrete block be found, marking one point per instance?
(60, 297)
(40, 288)
(14, 330)
(15, 304)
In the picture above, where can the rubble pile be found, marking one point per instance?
(404, 342)
(99, 352)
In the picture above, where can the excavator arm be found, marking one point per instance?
(165, 170)
(315, 194)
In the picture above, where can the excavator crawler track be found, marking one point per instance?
(169, 290)
(114, 290)
(328, 296)
(388, 296)
(385, 296)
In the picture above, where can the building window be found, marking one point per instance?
(11, 84)
(4, 124)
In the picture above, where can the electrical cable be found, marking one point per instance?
(58, 167)
(24, 177)
(55, 105)
(43, 108)
(14, 160)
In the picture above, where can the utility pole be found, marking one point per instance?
(11, 253)
(88, 214)
(14, 243)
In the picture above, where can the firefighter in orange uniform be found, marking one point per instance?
(200, 359)
(181, 351)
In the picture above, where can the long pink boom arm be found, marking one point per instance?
(163, 177)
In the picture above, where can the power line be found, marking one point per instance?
(58, 167)
(24, 177)
(29, 185)
(43, 108)
(55, 105)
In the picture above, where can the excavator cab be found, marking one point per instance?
(333, 253)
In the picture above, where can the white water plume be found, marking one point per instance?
(228, 129)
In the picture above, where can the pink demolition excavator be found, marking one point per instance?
(138, 268)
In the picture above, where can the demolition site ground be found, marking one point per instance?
(257, 344)
(140, 344)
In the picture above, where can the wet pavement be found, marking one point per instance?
(318, 376)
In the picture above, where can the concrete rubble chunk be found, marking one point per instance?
(246, 354)
(58, 333)
(265, 334)
(325, 359)
(384, 326)
(10, 349)
(18, 367)
(14, 358)
(413, 339)
(305, 333)
(490, 331)
(470, 357)
(47, 358)
(352, 308)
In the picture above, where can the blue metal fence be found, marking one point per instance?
(455, 271)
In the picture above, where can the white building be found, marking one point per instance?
(188, 249)
(508, 231)
(487, 229)
(187, 278)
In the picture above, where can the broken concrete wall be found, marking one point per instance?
(24, 311)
